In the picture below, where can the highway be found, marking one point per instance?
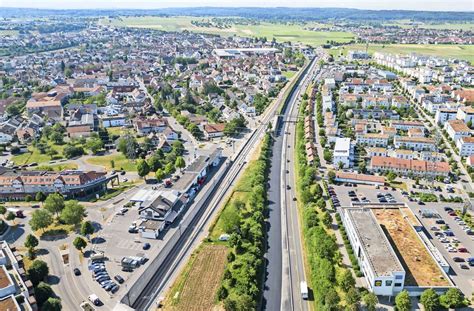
(192, 234)
(285, 261)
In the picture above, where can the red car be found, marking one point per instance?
(452, 214)
(463, 250)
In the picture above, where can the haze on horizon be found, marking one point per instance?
(419, 5)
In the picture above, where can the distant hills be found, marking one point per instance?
(282, 14)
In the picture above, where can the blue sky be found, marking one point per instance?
(428, 5)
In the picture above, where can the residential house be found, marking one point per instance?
(145, 126)
(406, 167)
(465, 146)
(457, 129)
(444, 115)
(213, 130)
(415, 143)
(373, 140)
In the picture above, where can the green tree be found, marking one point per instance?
(154, 162)
(345, 280)
(326, 219)
(169, 168)
(94, 144)
(43, 292)
(79, 243)
(40, 219)
(87, 228)
(40, 196)
(180, 163)
(453, 298)
(57, 137)
(353, 299)
(370, 300)
(3, 210)
(391, 176)
(10, 216)
(142, 168)
(402, 301)
(430, 300)
(54, 203)
(52, 304)
(178, 147)
(331, 177)
(38, 271)
(30, 243)
(160, 174)
(73, 213)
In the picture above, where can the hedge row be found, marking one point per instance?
(241, 286)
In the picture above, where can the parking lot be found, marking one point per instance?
(458, 247)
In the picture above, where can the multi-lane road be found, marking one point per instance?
(285, 260)
(193, 233)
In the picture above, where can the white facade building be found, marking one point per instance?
(465, 146)
(343, 152)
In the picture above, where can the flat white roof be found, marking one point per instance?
(342, 147)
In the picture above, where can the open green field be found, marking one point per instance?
(281, 32)
(34, 155)
(465, 52)
(4, 32)
(120, 162)
(454, 26)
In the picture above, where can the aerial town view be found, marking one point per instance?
(236, 156)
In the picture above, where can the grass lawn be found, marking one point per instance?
(289, 74)
(33, 155)
(196, 287)
(121, 162)
(281, 32)
(465, 52)
(115, 191)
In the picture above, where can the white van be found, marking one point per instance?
(304, 290)
(94, 299)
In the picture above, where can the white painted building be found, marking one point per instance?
(444, 115)
(465, 114)
(414, 143)
(465, 146)
(381, 267)
(343, 152)
(457, 129)
(373, 140)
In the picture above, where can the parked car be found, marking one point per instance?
(77, 271)
(119, 279)
(458, 259)
(464, 266)
(146, 246)
(440, 222)
(463, 250)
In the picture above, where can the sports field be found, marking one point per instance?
(465, 52)
(281, 32)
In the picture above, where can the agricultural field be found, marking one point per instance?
(281, 32)
(465, 52)
(5, 32)
(196, 287)
(453, 26)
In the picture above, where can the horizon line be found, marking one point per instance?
(224, 7)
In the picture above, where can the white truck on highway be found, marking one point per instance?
(304, 290)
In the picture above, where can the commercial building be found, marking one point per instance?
(15, 185)
(381, 252)
(343, 152)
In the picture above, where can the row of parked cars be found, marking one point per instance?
(385, 198)
(333, 195)
(459, 220)
(102, 277)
